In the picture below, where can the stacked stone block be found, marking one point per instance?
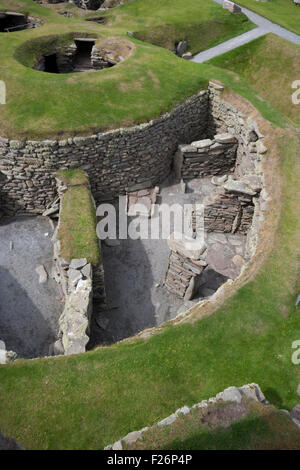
(230, 208)
(185, 267)
(117, 162)
(206, 157)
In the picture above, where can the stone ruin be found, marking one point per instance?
(231, 6)
(12, 21)
(133, 162)
(80, 56)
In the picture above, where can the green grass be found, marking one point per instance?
(269, 64)
(145, 85)
(282, 12)
(168, 22)
(223, 426)
(77, 229)
(91, 400)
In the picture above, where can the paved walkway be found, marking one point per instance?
(264, 26)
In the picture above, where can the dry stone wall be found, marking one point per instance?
(82, 286)
(186, 263)
(206, 157)
(116, 162)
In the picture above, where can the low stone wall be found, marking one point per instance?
(117, 161)
(206, 157)
(185, 267)
(231, 6)
(231, 394)
(230, 208)
(82, 285)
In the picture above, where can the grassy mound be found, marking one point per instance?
(269, 64)
(148, 83)
(77, 229)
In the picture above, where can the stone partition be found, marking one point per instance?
(186, 263)
(230, 208)
(118, 161)
(82, 286)
(206, 157)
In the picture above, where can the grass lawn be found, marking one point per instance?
(270, 65)
(283, 12)
(145, 85)
(229, 426)
(77, 229)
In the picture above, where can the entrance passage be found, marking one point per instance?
(10, 22)
(50, 63)
(82, 59)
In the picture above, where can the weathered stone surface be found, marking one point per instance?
(206, 157)
(188, 247)
(78, 263)
(230, 394)
(167, 421)
(181, 48)
(43, 276)
(7, 356)
(132, 437)
(295, 413)
(74, 321)
(116, 161)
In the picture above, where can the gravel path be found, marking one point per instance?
(264, 26)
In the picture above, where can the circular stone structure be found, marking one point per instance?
(73, 52)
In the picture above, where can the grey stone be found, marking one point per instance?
(295, 412)
(78, 263)
(43, 276)
(184, 411)
(2, 345)
(201, 144)
(230, 394)
(167, 421)
(261, 148)
(87, 270)
(132, 437)
(58, 348)
(74, 276)
(181, 48)
(253, 392)
(188, 247)
(117, 446)
(7, 356)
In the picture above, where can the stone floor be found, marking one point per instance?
(135, 269)
(29, 311)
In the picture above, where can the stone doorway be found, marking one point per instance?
(82, 59)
